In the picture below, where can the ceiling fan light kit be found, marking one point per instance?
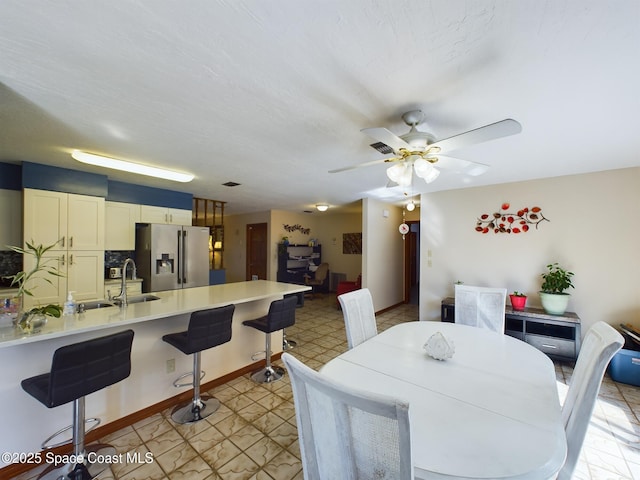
(416, 149)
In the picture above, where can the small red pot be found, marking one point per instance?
(517, 302)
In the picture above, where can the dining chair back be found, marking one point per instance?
(347, 433)
(480, 307)
(600, 344)
(359, 316)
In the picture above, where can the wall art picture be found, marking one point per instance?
(352, 243)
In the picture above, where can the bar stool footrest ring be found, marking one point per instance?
(184, 375)
(46, 445)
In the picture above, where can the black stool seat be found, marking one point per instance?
(207, 329)
(282, 314)
(76, 371)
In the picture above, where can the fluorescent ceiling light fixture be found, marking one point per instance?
(130, 167)
(322, 207)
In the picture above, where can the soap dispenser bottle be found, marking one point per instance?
(69, 305)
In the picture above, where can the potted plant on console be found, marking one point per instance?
(30, 321)
(518, 300)
(553, 294)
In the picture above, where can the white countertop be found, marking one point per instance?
(174, 302)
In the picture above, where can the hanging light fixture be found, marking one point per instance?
(322, 207)
(401, 172)
(411, 206)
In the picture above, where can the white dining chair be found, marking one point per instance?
(480, 307)
(359, 316)
(600, 344)
(345, 433)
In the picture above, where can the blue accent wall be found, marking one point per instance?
(130, 193)
(45, 177)
(10, 176)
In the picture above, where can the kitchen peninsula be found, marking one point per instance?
(152, 371)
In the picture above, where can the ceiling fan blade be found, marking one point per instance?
(385, 136)
(500, 129)
(461, 166)
(365, 164)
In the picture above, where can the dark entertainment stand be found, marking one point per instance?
(556, 335)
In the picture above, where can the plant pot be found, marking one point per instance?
(518, 302)
(554, 303)
(31, 322)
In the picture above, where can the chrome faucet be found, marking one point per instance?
(122, 297)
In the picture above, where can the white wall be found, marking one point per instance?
(382, 248)
(593, 231)
(235, 244)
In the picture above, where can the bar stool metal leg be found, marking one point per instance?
(286, 343)
(200, 406)
(269, 373)
(82, 468)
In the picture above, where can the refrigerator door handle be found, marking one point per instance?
(184, 256)
(179, 259)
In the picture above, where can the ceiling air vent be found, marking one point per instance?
(230, 184)
(382, 148)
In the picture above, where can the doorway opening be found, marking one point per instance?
(257, 251)
(412, 263)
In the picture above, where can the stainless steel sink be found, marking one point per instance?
(141, 298)
(83, 306)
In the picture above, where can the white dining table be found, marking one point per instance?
(490, 411)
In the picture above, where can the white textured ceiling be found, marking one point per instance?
(273, 94)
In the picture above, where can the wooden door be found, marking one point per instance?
(257, 251)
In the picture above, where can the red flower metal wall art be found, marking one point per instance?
(505, 222)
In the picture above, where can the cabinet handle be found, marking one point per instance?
(62, 241)
(171, 217)
(70, 242)
(70, 259)
(62, 260)
(546, 345)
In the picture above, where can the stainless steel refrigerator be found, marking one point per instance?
(169, 257)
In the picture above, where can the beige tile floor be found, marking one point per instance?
(253, 435)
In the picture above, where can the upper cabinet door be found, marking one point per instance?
(76, 222)
(45, 218)
(85, 222)
(11, 214)
(120, 225)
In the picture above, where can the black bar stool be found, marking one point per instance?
(207, 329)
(287, 343)
(282, 314)
(76, 371)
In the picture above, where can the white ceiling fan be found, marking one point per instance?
(420, 151)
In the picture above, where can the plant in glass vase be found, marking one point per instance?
(30, 321)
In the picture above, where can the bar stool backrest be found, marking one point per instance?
(86, 367)
(209, 328)
(282, 314)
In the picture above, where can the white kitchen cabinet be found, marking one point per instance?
(173, 216)
(120, 225)
(11, 214)
(82, 272)
(76, 222)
